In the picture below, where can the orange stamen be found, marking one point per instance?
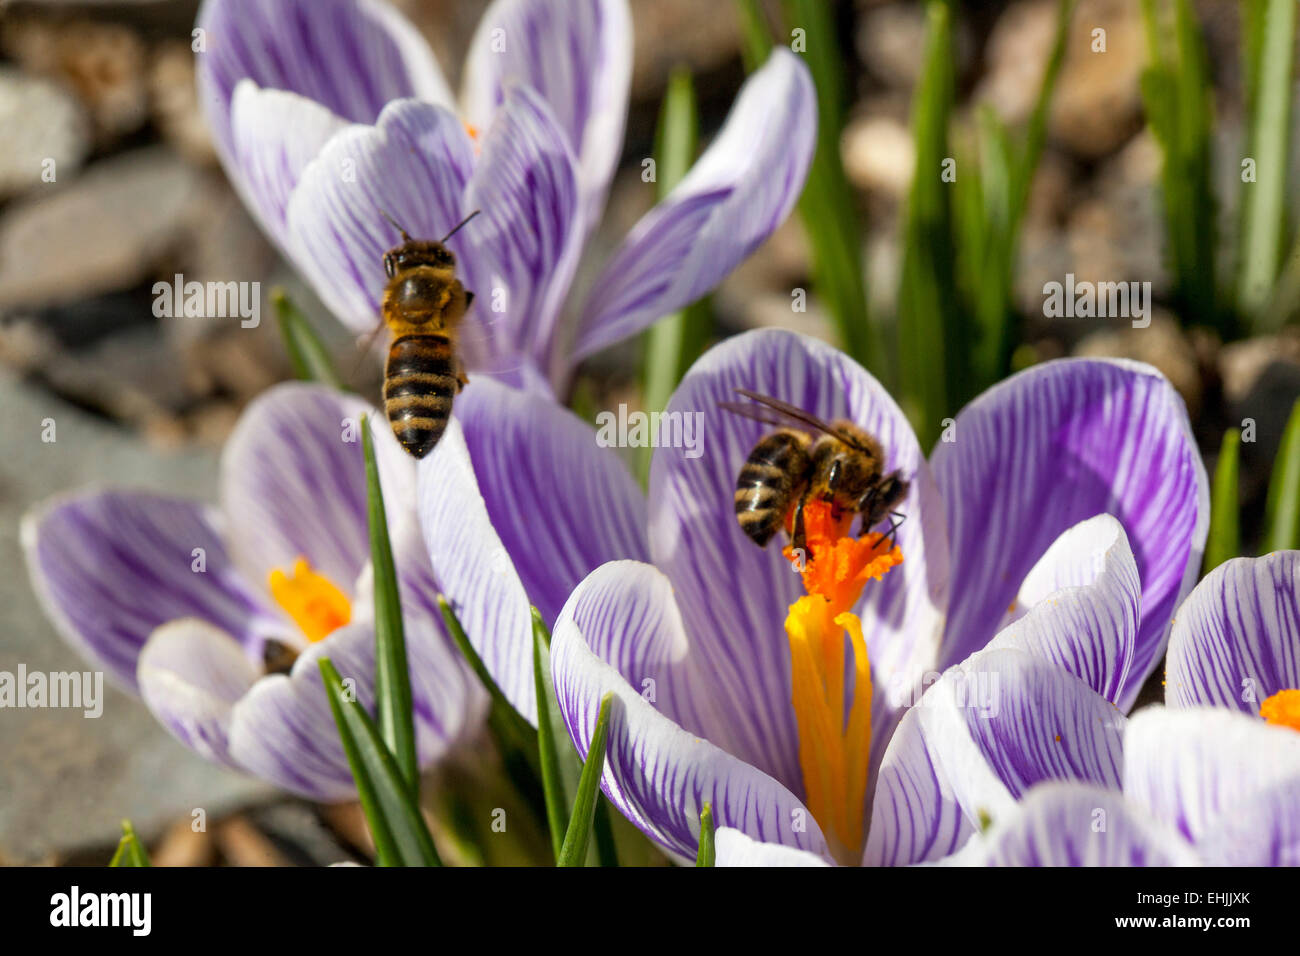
(1283, 709)
(312, 600)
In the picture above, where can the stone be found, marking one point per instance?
(46, 133)
(68, 780)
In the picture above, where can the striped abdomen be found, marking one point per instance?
(420, 381)
(773, 477)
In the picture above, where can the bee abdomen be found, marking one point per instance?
(772, 476)
(419, 385)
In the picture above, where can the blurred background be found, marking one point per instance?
(1114, 157)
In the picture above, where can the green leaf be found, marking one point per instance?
(677, 340)
(706, 854)
(396, 824)
(574, 850)
(506, 723)
(756, 42)
(559, 768)
(130, 851)
(394, 709)
(1224, 540)
(1264, 204)
(307, 353)
(1283, 509)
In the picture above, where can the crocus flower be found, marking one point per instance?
(1236, 640)
(1202, 786)
(329, 114)
(177, 600)
(693, 636)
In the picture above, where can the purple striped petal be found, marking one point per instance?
(529, 236)
(1046, 449)
(111, 567)
(734, 596)
(732, 199)
(274, 135)
(293, 483)
(734, 848)
(474, 568)
(577, 54)
(1263, 830)
(351, 56)
(283, 730)
(1083, 601)
(1236, 639)
(191, 674)
(561, 504)
(1072, 824)
(989, 730)
(658, 775)
(1197, 767)
(414, 165)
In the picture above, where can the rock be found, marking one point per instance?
(46, 133)
(69, 780)
(671, 33)
(890, 37)
(104, 63)
(174, 102)
(1162, 344)
(1097, 103)
(879, 155)
(106, 231)
(1243, 364)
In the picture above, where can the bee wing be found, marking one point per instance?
(777, 412)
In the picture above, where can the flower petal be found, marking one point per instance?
(1236, 639)
(732, 199)
(413, 165)
(110, 567)
(658, 775)
(351, 56)
(734, 848)
(1083, 598)
(190, 676)
(734, 596)
(1052, 446)
(529, 236)
(274, 135)
(474, 568)
(1196, 767)
(577, 54)
(293, 483)
(1263, 830)
(1073, 824)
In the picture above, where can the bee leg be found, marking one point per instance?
(798, 538)
(892, 533)
(461, 378)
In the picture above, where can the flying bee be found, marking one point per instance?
(843, 464)
(423, 305)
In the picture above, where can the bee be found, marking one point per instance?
(843, 464)
(423, 305)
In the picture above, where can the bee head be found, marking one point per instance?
(415, 253)
(883, 498)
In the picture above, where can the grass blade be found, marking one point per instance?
(559, 770)
(1264, 201)
(1283, 509)
(396, 824)
(130, 851)
(706, 854)
(573, 852)
(394, 709)
(308, 356)
(1224, 540)
(756, 42)
(677, 340)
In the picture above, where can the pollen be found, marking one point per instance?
(831, 699)
(312, 600)
(1283, 709)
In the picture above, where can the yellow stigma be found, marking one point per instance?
(314, 602)
(1283, 709)
(834, 750)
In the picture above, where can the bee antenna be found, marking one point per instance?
(405, 236)
(460, 224)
